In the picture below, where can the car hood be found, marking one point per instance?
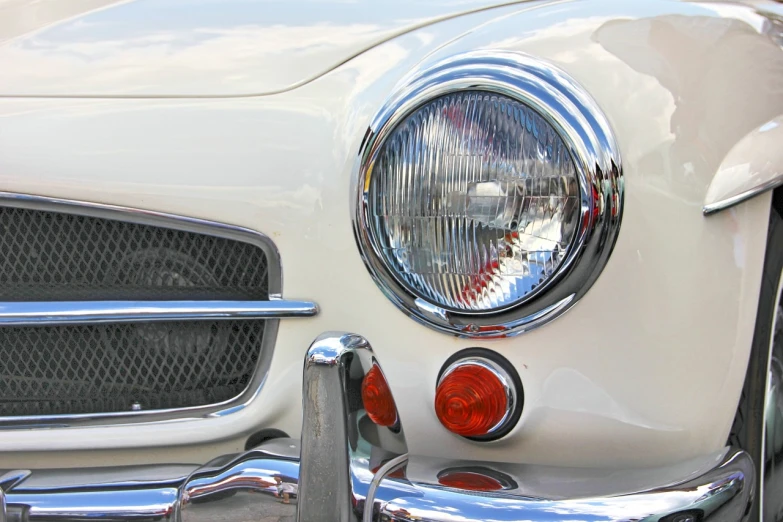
(194, 47)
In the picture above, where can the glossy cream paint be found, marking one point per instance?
(754, 163)
(646, 369)
(203, 48)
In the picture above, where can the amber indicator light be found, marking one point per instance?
(471, 400)
(469, 480)
(377, 398)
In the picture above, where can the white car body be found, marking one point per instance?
(252, 114)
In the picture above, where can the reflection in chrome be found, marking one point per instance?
(89, 312)
(340, 444)
(11, 478)
(351, 470)
(476, 478)
(590, 143)
(771, 489)
(244, 489)
(722, 494)
(390, 466)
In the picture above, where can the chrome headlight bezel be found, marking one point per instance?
(575, 116)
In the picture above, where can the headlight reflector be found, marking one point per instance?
(473, 201)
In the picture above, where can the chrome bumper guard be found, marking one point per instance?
(349, 469)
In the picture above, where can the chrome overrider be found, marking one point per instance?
(349, 469)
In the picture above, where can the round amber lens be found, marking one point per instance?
(471, 400)
(377, 398)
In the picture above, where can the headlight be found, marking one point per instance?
(482, 185)
(473, 202)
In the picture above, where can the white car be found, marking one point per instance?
(528, 254)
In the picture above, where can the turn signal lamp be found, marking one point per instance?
(377, 398)
(478, 397)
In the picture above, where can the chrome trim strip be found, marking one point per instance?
(723, 204)
(104, 504)
(54, 313)
(172, 221)
(752, 166)
(586, 132)
(345, 476)
(159, 219)
(771, 449)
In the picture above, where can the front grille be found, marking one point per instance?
(109, 368)
(102, 368)
(50, 256)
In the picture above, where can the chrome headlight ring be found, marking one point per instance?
(586, 133)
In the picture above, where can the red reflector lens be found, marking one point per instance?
(471, 400)
(469, 481)
(377, 398)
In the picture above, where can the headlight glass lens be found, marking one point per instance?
(473, 202)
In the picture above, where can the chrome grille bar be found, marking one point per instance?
(51, 313)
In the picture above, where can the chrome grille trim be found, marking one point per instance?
(153, 218)
(271, 311)
(54, 313)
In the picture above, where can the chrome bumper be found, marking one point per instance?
(349, 469)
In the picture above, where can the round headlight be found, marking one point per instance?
(473, 202)
(490, 194)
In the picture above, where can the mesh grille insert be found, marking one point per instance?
(49, 256)
(101, 368)
(108, 368)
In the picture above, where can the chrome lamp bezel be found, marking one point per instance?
(585, 131)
